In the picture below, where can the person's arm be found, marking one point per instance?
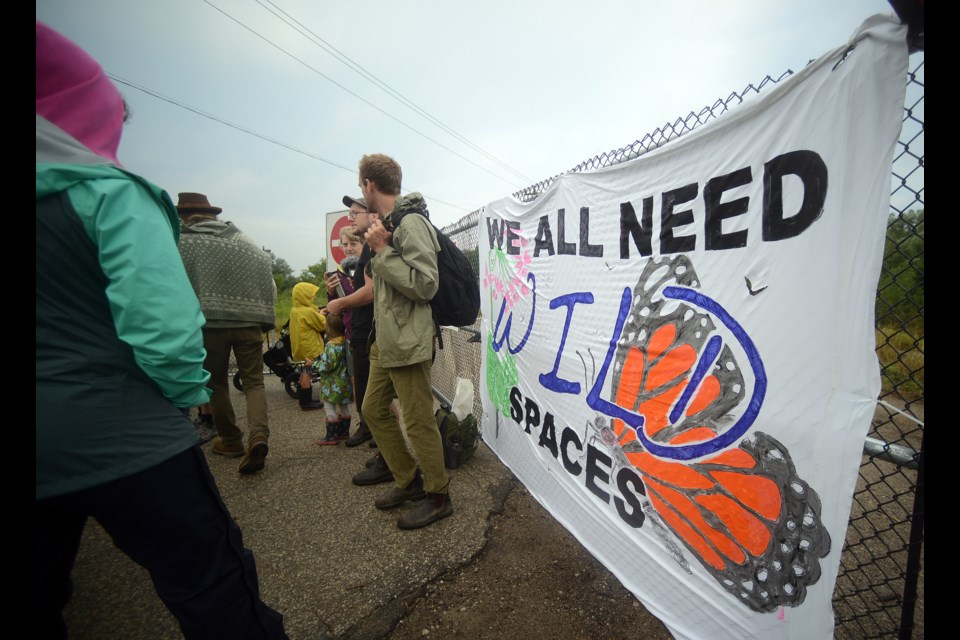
(154, 307)
(409, 265)
(316, 320)
(359, 298)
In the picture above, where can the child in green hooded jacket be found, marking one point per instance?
(336, 391)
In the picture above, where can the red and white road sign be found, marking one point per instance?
(336, 221)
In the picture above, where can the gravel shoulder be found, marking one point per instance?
(532, 579)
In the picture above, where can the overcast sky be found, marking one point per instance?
(504, 93)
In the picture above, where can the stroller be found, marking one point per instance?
(278, 360)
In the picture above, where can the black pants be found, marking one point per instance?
(361, 370)
(171, 520)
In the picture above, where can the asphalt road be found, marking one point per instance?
(327, 559)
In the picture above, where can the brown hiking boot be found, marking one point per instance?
(228, 450)
(374, 474)
(256, 456)
(397, 496)
(435, 507)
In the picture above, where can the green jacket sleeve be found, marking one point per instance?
(410, 265)
(154, 307)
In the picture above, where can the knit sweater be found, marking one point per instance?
(231, 275)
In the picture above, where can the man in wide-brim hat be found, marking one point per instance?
(233, 278)
(194, 208)
(189, 202)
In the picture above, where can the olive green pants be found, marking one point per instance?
(411, 384)
(247, 346)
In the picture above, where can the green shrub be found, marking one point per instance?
(900, 292)
(900, 352)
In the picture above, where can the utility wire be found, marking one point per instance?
(183, 105)
(222, 121)
(358, 97)
(342, 57)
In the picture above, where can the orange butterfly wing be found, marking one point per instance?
(743, 512)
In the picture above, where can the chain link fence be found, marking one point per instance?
(879, 590)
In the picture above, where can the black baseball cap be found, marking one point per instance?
(348, 200)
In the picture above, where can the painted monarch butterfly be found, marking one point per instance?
(742, 511)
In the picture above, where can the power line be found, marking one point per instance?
(238, 127)
(222, 121)
(389, 115)
(356, 67)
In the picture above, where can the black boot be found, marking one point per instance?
(204, 426)
(330, 439)
(362, 435)
(343, 428)
(307, 403)
(435, 507)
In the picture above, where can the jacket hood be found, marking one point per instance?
(76, 95)
(207, 227)
(304, 293)
(413, 201)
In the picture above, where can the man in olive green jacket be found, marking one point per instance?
(405, 279)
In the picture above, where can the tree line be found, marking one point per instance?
(900, 291)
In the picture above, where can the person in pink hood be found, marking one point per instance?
(118, 368)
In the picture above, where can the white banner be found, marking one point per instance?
(679, 350)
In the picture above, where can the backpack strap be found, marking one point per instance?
(400, 215)
(396, 223)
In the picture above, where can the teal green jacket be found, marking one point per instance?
(119, 342)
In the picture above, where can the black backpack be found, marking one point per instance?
(457, 301)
